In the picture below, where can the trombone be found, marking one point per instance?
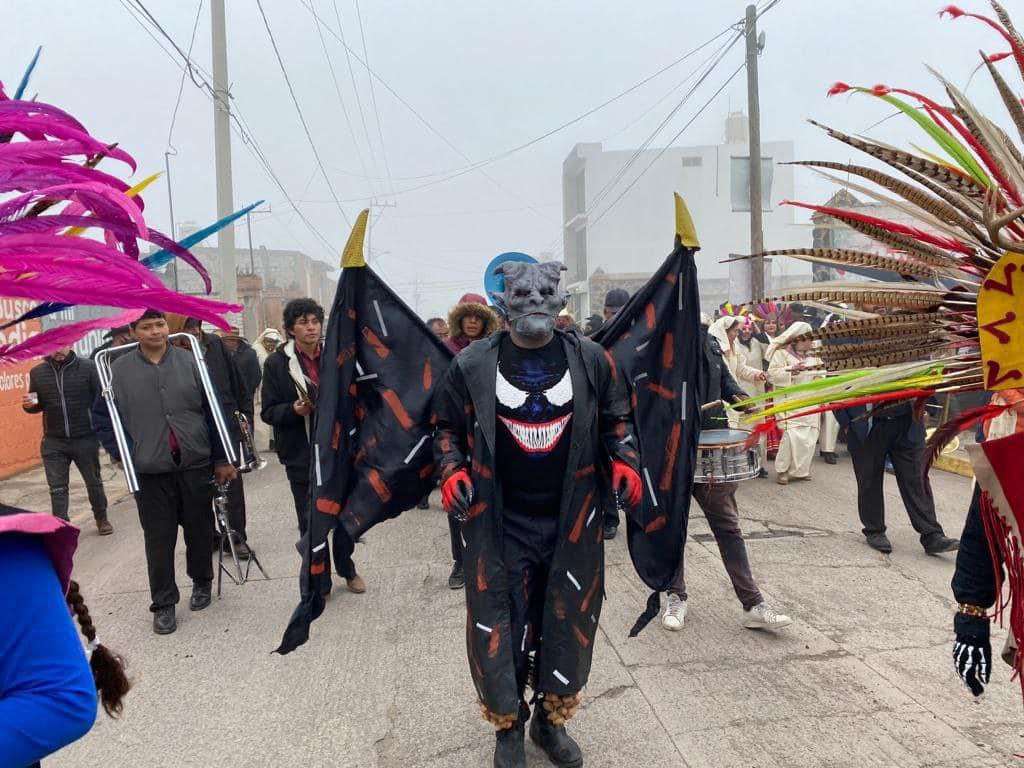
(103, 368)
(248, 462)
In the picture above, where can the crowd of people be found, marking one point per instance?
(273, 382)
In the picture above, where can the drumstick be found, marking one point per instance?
(712, 404)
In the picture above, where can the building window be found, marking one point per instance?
(693, 162)
(740, 183)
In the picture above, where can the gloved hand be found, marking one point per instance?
(972, 657)
(457, 494)
(626, 482)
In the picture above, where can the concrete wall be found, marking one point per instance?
(635, 235)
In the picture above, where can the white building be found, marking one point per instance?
(635, 235)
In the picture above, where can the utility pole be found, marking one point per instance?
(754, 115)
(222, 149)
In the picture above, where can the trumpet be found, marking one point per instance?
(249, 457)
(103, 368)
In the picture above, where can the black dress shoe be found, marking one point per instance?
(558, 745)
(939, 544)
(830, 458)
(762, 473)
(200, 597)
(610, 531)
(163, 620)
(509, 749)
(457, 579)
(879, 541)
(424, 503)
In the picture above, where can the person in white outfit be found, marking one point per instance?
(265, 344)
(725, 330)
(751, 346)
(792, 363)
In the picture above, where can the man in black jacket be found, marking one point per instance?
(63, 387)
(233, 396)
(718, 502)
(250, 372)
(291, 380)
(894, 434)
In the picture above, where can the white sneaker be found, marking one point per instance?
(675, 613)
(763, 616)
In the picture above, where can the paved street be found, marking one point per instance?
(862, 679)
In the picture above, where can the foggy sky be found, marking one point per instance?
(488, 76)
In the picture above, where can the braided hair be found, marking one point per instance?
(107, 667)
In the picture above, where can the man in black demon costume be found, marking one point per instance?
(533, 429)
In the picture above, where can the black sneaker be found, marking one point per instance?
(940, 544)
(424, 503)
(200, 597)
(558, 745)
(163, 620)
(879, 541)
(830, 458)
(457, 579)
(762, 473)
(509, 747)
(610, 531)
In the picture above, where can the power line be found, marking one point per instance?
(667, 146)
(341, 100)
(373, 98)
(298, 110)
(606, 190)
(239, 126)
(355, 83)
(181, 85)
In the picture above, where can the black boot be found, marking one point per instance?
(558, 745)
(509, 750)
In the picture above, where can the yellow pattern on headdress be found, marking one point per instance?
(685, 229)
(352, 256)
(1001, 323)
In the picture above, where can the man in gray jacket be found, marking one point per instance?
(177, 454)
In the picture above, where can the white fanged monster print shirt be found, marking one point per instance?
(534, 413)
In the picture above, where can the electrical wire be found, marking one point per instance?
(373, 99)
(181, 85)
(239, 126)
(298, 110)
(667, 146)
(341, 101)
(352, 76)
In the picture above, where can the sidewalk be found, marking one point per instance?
(28, 490)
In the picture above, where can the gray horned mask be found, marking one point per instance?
(532, 297)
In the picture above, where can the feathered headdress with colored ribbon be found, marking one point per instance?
(70, 233)
(952, 317)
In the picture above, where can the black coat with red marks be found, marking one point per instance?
(465, 438)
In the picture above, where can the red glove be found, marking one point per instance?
(626, 480)
(457, 493)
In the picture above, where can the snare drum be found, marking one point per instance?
(722, 457)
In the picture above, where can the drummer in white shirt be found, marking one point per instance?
(718, 502)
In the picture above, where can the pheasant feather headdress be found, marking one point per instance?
(954, 310)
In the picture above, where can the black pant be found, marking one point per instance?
(58, 453)
(902, 441)
(528, 548)
(236, 507)
(456, 540)
(344, 546)
(166, 501)
(718, 502)
(611, 512)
